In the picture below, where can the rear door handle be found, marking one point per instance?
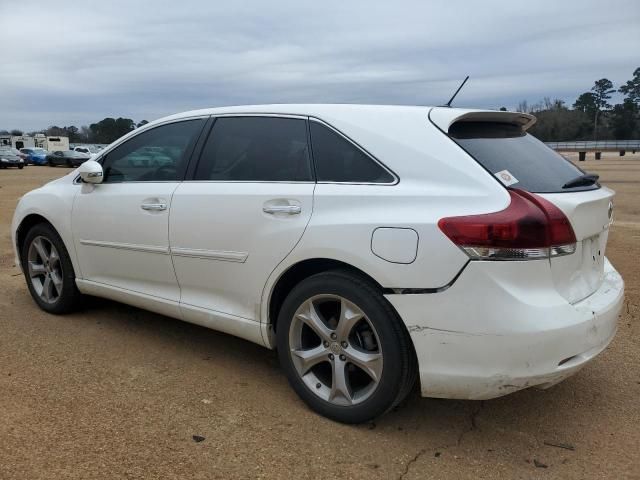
(155, 207)
(287, 209)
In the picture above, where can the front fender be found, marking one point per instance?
(53, 203)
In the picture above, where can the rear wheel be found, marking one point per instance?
(48, 270)
(20, 167)
(343, 347)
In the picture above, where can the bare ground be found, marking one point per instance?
(116, 392)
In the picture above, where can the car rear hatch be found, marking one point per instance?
(499, 142)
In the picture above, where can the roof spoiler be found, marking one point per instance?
(443, 118)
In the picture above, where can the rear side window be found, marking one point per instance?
(338, 160)
(256, 149)
(531, 165)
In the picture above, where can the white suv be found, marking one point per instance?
(369, 244)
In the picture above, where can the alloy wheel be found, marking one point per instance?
(45, 269)
(335, 350)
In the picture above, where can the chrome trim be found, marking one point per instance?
(154, 207)
(258, 114)
(288, 209)
(127, 246)
(223, 255)
(289, 182)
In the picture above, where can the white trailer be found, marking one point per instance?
(55, 144)
(22, 141)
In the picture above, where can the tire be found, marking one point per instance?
(376, 339)
(20, 167)
(63, 295)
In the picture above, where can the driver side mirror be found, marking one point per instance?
(91, 172)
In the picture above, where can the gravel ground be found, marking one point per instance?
(117, 392)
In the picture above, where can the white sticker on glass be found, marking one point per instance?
(506, 178)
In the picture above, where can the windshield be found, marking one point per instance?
(516, 158)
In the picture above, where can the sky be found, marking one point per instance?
(76, 62)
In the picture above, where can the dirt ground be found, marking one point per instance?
(117, 392)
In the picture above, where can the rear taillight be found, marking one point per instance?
(529, 228)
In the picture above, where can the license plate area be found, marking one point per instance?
(593, 257)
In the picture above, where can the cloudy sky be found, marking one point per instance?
(76, 62)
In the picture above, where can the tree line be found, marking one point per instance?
(591, 117)
(105, 131)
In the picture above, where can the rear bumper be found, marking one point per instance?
(491, 334)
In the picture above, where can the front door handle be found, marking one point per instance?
(287, 209)
(154, 207)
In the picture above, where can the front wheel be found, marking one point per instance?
(343, 347)
(48, 270)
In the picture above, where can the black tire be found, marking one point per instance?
(20, 167)
(70, 298)
(399, 364)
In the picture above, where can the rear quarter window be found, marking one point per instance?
(500, 146)
(338, 160)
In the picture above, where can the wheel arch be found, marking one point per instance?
(25, 225)
(299, 271)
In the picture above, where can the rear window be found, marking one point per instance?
(527, 163)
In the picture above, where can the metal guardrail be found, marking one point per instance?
(596, 146)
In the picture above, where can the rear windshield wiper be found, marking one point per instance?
(582, 181)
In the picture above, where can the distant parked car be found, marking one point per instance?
(70, 158)
(9, 157)
(23, 156)
(35, 156)
(85, 149)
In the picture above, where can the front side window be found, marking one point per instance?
(159, 154)
(338, 160)
(256, 149)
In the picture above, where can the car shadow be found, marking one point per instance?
(528, 412)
